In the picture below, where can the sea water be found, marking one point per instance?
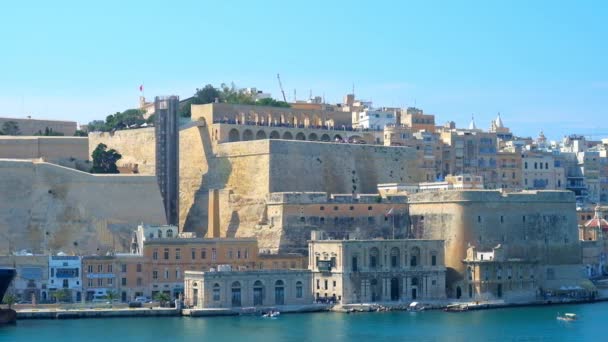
(512, 324)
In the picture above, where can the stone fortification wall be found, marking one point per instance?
(135, 145)
(33, 126)
(47, 148)
(537, 225)
(49, 207)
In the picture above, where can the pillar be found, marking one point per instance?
(213, 228)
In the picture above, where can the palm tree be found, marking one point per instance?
(111, 295)
(162, 297)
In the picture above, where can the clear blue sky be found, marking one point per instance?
(542, 64)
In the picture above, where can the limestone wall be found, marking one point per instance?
(537, 226)
(48, 148)
(49, 207)
(137, 146)
(33, 126)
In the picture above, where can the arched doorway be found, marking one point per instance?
(287, 136)
(374, 288)
(394, 289)
(233, 135)
(458, 292)
(275, 135)
(313, 137)
(414, 287)
(325, 137)
(247, 135)
(260, 135)
(236, 294)
(258, 293)
(300, 136)
(499, 291)
(338, 138)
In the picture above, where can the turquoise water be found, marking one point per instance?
(517, 324)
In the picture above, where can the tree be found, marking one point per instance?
(9, 299)
(268, 101)
(162, 297)
(96, 126)
(48, 132)
(207, 94)
(111, 295)
(10, 128)
(105, 161)
(61, 295)
(80, 133)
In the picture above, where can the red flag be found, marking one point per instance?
(141, 87)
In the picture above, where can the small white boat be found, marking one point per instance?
(568, 317)
(271, 314)
(415, 306)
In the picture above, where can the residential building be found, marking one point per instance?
(542, 171)
(31, 282)
(376, 119)
(65, 273)
(126, 275)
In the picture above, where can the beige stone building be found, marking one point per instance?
(541, 172)
(53, 149)
(537, 226)
(32, 280)
(364, 271)
(238, 289)
(30, 126)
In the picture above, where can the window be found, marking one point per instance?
(159, 233)
(216, 292)
(155, 254)
(138, 268)
(479, 219)
(65, 284)
(246, 253)
(177, 273)
(123, 268)
(178, 253)
(502, 219)
(139, 281)
(326, 283)
(90, 268)
(336, 208)
(369, 208)
(99, 268)
(318, 282)
(213, 254)
(123, 281)
(322, 208)
(169, 233)
(334, 283)
(204, 253)
(193, 254)
(166, 273)
(90, 282)
(230, 253)
(413, 260)
(373, 258)
(299, 291)
(238, 253)
(155, 274)
(525, 165)
(166, 253)
(100, 282)
(433, 260)
(110, 268)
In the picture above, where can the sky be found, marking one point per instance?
(542, 64)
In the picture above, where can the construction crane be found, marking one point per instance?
(281, 86)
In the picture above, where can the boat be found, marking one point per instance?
(7, 275)
(415, 306)
(456, 308)
(568, 317)
(271, 314)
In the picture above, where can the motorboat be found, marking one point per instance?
(415, 306)
(568, 317)
(271, 314)
(456, 308)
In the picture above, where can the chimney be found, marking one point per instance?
(213, 228)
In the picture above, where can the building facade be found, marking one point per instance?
(237, 289)
(31, 282)
(364, 271)
(65, 273)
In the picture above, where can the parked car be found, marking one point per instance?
(143, 299)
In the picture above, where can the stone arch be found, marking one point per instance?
(415, 257)
(355, 138)
(313, 137)
(247, 135)
(374, 257)
(325, 137)
(234, 135)
(338, 137)
(300, 136)
(275, 135)
(395, 258)
(260, 135)
(287, 136)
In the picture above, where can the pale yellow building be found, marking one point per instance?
(364, 271)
